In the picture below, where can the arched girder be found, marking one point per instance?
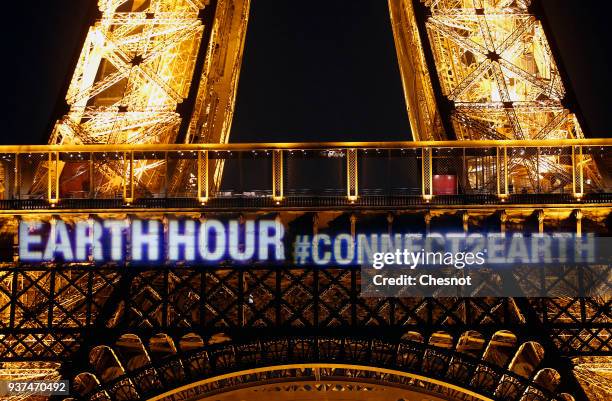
(189, 366)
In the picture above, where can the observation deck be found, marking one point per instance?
(303, 176)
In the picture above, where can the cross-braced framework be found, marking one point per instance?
(496, 68)
(213, 108)
(58, 313)
(135, 68)
(135, 367)
(151, 72)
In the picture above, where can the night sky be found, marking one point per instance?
(313, 71)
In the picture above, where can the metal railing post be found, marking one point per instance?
(501, 159)
(352, 175)
(128, 185)
(166, 172)
(278, 184)
(91, 176)
(427, 173)
(53, 177)
(577, 172)
(203, 187)
(17, 186)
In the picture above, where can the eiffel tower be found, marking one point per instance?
(146, 134)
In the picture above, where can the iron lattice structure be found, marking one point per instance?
(499, 80)
(166, 71)
(153, 71)
(197, 324)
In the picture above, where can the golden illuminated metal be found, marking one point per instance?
(352, 175)
(577, 171)
(138, 67)
(495, 66)
(243, 147)
(128, 177)
(211, 118)
(278, 180)
(425, 119)
(427, 172)
(502, 172)
(459, 389)
(197, 156)
(53, 177)
(135, 70)
(27, 371)
(203, 184)
(595, 376)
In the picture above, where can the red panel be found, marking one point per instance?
(445, 184)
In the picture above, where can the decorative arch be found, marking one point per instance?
(468, 368)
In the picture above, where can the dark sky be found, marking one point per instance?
(313, 71)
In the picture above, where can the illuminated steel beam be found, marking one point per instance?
(134, 70)
(213, 109)
(604, 143)
(148, 71)
(424, 116)
(278, 176)
(496, 69)
(352, 174)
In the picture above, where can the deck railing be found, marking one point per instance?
(303, 174)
